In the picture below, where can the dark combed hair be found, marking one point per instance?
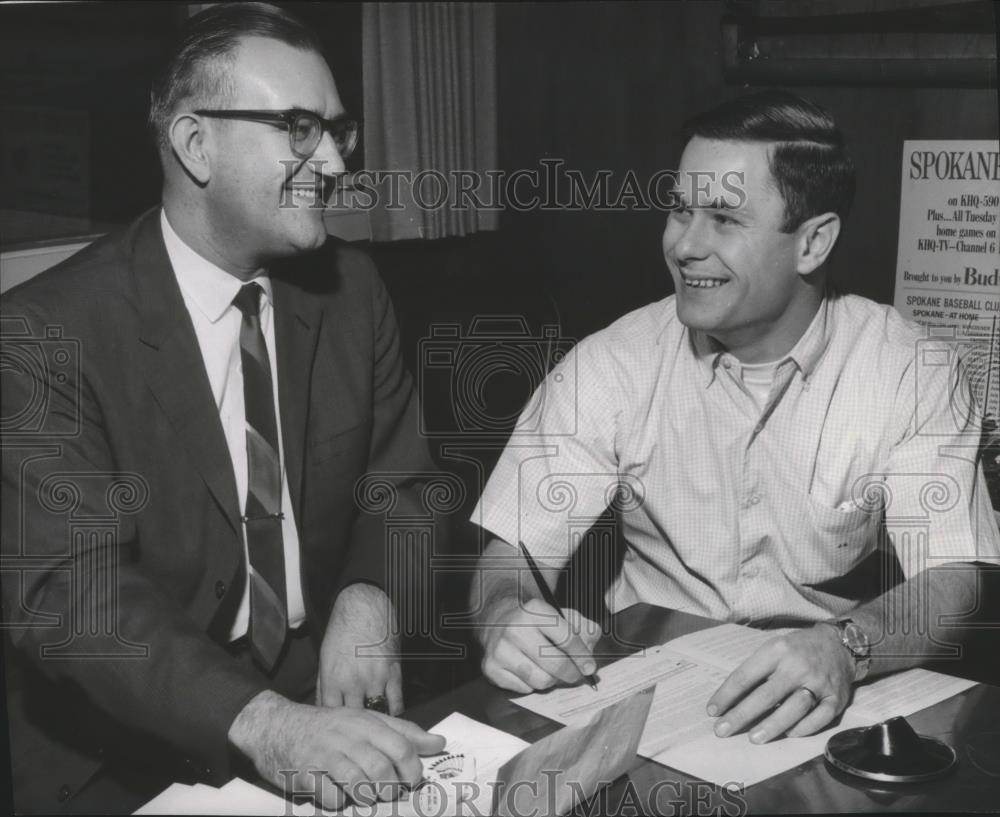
(198, 67)
(809, 162)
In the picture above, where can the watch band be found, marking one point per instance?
(855, 639)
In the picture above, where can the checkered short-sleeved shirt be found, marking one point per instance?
(868, 435)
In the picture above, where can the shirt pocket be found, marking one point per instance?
(839, 538)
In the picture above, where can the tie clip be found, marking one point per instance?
(278, 515)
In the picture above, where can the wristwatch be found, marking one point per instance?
(856, 641)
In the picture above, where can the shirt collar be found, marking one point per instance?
(806, 353)
(209, 287)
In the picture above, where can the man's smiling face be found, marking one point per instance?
(734, 270)
(254, 213)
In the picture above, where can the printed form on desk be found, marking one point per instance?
(688, 670)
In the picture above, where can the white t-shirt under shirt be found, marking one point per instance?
(758, 378)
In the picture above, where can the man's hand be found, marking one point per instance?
(533, 647)
(769, 692)
(359, 657)
(336, 755)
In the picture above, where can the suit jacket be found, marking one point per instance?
(123, 557)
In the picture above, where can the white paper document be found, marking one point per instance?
(489, 748)
(688, 670)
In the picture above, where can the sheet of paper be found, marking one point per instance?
(736, 760)
(682, 687)
(726, 646)
(905, 693)
(490, 747)
(179, 799)
(678, 712)
(688, 670)
(616, 682)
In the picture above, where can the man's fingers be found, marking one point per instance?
(354, 698)
(588, 630)
(537, 649)
(323, 789)
(544, 648)
(775, 691)
(329, 696)
(354, 781)
(817, 720)
(741, 680)
(394, 691)
(424, 742)
(503, 678)
(384, 771)
(754, 706)
(576, 651)
(515, 658)
(792, 710)
(377, 686)
(575, 638)
(397, 750)
(518, 659)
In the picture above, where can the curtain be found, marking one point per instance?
(429, 74)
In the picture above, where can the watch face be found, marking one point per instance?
(855, 639)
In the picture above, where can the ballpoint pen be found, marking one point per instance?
(543, 588)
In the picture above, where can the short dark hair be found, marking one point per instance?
(809, 163)
(198, 67)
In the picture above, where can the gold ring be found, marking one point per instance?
(811, 694)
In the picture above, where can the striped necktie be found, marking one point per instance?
(262, 517)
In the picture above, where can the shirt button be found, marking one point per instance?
(220, 589)
(753, 500)
(750, 572)
(726, 363)
(758, 428)
(64, 792)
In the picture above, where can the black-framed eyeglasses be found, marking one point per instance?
(305, 128)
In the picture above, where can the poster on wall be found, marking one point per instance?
(948, 263)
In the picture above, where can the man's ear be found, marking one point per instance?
(815, 238)
(188, 139)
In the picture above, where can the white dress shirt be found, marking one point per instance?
(740, 511)
(208, 293)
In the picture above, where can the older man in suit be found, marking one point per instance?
(216, 378)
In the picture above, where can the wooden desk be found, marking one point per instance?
(970, 722)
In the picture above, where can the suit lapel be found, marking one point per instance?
(175, 369)
(296, 333)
